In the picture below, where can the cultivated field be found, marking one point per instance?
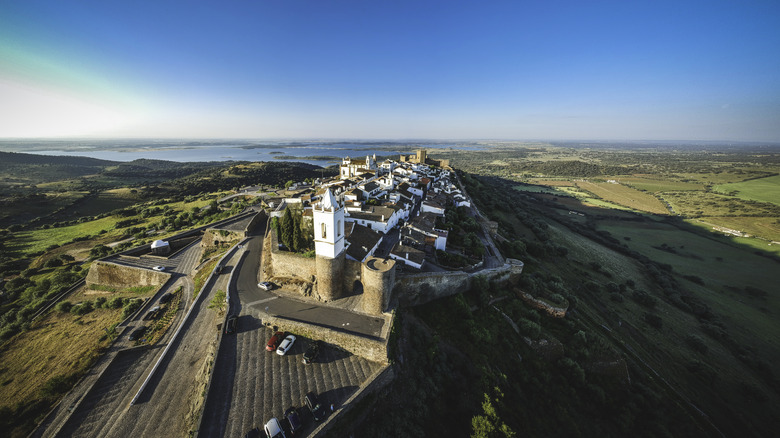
(761, 189)
(624, 195)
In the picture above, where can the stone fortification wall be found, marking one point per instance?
(352, 270)
(111, 274)
(416, 289)
(284, 263)
(330, 276)
(554, 311)
(214, 237)
(378, 276)
(256, 220)
(372, 349)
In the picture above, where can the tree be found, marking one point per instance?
(219, 302)
(288, 184)
(287, 225)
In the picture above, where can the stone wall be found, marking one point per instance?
(330, 276)
(416, 289)
(554, 311)
(378, 276)
(112, 274)
(284, 263)
(373, 349)
(352, 271)
(214, 237)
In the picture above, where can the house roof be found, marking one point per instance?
(370, 187)
(361, 240)
(408, 252)
(373, 213)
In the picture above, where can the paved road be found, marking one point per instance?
(250, 386)
(106, 404)
(254, 298)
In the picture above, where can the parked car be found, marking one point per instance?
(165, 298)
(159, 268)
(230, 324)
(253, 433)
(275, 340)
(312, 352)
(315, 406)
(293, 420)
(273, 429)
(266, 285)
(137, 333)
(285, 346)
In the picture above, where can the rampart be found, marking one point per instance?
(285, 263)
(373, 349)
(112, 274)
(554, 311)
(215, 237)
(420, 288)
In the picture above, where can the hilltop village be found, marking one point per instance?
(370, 221)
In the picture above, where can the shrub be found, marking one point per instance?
(696, 343)
(131, 307)
(653, 320)
(64, 306)
(83, 308)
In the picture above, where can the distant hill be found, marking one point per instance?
(11, 158)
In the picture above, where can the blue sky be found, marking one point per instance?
(548, 70)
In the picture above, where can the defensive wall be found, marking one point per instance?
(371, 348)
(420, 288)
(215, 237)
(112, 274)
(278, 263)
(552, 310)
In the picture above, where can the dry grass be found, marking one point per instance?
(59, 345)
(624, 195)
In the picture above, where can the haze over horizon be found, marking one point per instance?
(559, 70)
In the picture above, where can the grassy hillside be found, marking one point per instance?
(667, 321)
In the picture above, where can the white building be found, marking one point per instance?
(328, 226)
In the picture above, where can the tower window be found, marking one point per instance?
(324, 231)
(338, 229)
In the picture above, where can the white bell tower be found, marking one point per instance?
(328, 227)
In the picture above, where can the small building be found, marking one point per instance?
(161, 247)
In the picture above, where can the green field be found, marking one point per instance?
(657, 184)
(761, 189)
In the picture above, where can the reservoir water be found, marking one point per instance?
(319, 153)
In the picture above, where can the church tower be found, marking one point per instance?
(329, 246)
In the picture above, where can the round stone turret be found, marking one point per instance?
(378, 277)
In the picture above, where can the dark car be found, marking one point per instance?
(312, 352)
(137, 333)
(165, 298)
(230, 324)
(218, 269)
(293, 420)
(275, 340)
(254, 433)
(315, 406)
